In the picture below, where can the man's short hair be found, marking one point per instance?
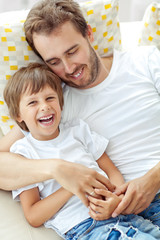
(48, 15)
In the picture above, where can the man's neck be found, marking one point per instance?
(107, 61)
(106, 64)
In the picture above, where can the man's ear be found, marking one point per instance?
(90, 33)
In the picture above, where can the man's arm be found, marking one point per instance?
(139, 192)
(17, 171)
(10, 138)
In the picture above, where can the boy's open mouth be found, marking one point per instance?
(46, 119)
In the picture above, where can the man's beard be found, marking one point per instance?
(94, 71)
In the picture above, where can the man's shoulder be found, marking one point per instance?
(136, 51)
(139, 54)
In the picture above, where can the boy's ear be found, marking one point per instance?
(90, 33)
(19, 119)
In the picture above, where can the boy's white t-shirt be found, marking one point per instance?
(75, 143)
(124, 108)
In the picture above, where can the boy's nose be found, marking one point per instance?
(45, 107)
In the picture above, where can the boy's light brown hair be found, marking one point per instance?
(48, 15)
(34, 78)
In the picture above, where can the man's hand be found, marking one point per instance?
(80, 180)
(103, 207)
(139, 193)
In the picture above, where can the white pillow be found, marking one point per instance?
(150, 32)
(102, 15)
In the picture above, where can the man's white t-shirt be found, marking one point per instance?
(124, 108)
(75, 143)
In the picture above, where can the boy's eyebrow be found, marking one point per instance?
(68, 50)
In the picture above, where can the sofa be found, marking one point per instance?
(13, 225)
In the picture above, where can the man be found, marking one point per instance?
(118, 98)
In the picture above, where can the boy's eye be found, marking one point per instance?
(50, 98)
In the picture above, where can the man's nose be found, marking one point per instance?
(68, 66)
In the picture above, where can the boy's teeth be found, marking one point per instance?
(45, 118)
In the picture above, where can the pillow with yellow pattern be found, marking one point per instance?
(150, 32)
(14, 53)
(102, 15)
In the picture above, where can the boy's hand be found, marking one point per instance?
(103, 208)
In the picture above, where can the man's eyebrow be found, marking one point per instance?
(68, 50)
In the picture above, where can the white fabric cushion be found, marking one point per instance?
(130, 34)
(13, 225)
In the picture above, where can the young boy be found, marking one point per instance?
(35, 101)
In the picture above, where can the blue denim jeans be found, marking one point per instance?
(153, 211)
(122, 227)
